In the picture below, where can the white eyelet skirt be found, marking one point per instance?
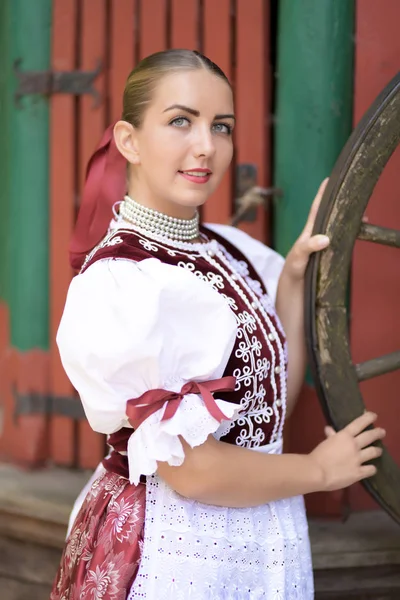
(194, 551)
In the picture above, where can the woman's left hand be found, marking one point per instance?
(297, 259)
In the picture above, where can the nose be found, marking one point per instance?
(204, 145)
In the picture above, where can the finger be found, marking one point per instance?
(370, 453)
(318, 242)
(315, 206)
(360, 423)
(367, 471)
(306, 246)
(369, 437)
(329, 431)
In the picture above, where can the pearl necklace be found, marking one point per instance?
(156, 222)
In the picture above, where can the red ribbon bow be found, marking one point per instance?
(138, 409)
(104, 186)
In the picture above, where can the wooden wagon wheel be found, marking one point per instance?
(340, 217)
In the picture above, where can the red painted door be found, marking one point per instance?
(118, 33)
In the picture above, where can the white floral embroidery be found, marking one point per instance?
(230, 301)
(111, 239)
(114, 241)
(148, 245)
(254, 372)
(215, 280)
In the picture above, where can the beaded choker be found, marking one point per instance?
(181, 230)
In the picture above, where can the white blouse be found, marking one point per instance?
(132, 327)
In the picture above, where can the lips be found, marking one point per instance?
(196, 175)
(197, 172)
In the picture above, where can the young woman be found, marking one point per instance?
(186, 346)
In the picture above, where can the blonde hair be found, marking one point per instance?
(144, 78)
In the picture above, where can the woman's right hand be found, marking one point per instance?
(342, 456)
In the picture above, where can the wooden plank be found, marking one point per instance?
(62, 200)
(12, 589)
(9, 427)
(122, 52)
(153, 26)
(24, 373)
(185, 24)
(378, 583)
(92, 122)
(45, 496)
(28, 562)
(365, 539)
(217, 46)
(35, 505)
(253, 98)
(32, 372)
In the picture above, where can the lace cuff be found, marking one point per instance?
(189, 415)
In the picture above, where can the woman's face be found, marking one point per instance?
(184, 145)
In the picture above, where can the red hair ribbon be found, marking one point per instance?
(139, 409)
(104, 186)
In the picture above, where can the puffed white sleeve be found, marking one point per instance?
(267, 262)
(129, 328)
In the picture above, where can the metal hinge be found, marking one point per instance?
(248, 195)
(76, 83)
(34, 403)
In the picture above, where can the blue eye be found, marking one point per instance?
(180, 122)
(222, 128)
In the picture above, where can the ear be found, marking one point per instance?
(126, 140)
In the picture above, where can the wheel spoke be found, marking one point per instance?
(379, 235)
(378, 366)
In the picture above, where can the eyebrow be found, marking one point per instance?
(196, 113)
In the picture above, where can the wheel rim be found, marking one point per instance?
(343, 205)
